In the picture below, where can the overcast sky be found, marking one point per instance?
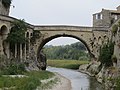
(65, 12)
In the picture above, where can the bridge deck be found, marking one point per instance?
(69, 28)
(62, 28)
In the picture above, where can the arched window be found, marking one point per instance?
(27, 35)
(99, 16)
(31, 34)
(3, 30)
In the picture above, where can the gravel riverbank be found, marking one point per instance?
(63, 84)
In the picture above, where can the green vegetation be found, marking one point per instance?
(30, 82)
(76, 51)
(6, 3)
(40, 74)
(17, 33)
(118, 84)
(70, 64)
(114, 29)
(119, 23)
(11, 67)
(106, 53)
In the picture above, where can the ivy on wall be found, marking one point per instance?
(106, 53)
(119, 23)
(17, 33)
(115, 28)
(6, 3)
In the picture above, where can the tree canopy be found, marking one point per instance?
(76, 51)
(17, 33)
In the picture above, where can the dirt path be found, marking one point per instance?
(64, 84)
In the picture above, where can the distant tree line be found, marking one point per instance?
(75, 51)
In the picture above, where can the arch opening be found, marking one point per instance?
(3, 36)
(64, 35)
(3, 31)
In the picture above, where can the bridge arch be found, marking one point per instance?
(46, 40)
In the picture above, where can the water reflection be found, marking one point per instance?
(79, 81)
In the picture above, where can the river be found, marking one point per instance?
(79, 81)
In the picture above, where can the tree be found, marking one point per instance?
(17, 34)
(73, 51)
(106, 53)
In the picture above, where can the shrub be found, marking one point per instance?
(119, 23)
(30, 84)
(14, 69)
(17, 33)
(114, 29)
(117, 84)
(106, 53)
(11, 67)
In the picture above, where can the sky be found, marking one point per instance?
(60, 12)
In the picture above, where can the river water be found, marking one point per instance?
(79, 81)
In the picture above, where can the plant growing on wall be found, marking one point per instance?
(114, 29)
(17, 34)
(106, 53)
(6, 3)
(119, 23)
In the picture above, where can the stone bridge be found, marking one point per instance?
(91, 37)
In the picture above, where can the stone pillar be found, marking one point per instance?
(8, 50)
(15, 50)
(25, 52)
(21, 51)
(29, 43)
(0, 46)
(28, 46)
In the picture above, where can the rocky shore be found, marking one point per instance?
(105, 76)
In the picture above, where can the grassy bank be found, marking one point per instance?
(30, 82)
(70, 64)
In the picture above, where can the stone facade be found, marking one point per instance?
(106, 18)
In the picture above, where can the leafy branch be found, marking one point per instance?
(114, 29)
(17, 34)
